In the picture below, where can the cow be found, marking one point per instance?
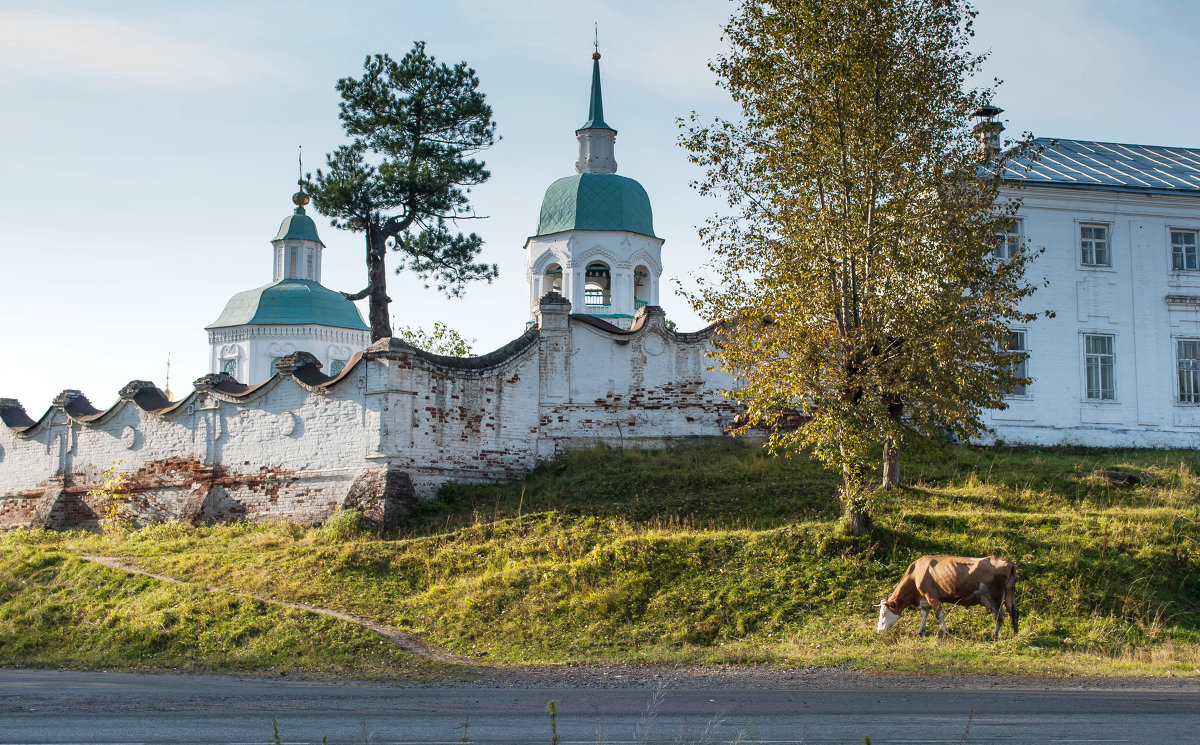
(931, 581)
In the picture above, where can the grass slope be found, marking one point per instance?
(709, 554)
(57, 610)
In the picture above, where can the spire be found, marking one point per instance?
(596, 103)
(596, 138)
(167, 389)
(300, 198)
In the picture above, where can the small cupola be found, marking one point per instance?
(297, 246)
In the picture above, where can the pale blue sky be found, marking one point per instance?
(149, 148)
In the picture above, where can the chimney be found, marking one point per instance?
(987, 132)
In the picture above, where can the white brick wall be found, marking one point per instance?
(291, 450)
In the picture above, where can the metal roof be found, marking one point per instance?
(1083, 164)
(596, 201)
(290, 302)
(297, 225)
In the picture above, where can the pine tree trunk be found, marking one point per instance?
(381, 327)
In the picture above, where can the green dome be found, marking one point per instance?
(290, 302)
(596, 201)
(298, 225)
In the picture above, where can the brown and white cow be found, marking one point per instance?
(933, 580)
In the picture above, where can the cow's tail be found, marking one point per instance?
(1010, 596)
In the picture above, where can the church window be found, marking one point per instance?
(1020, 365)
(1187, 356)
(292, 271)
(1094, 245)
(229, 366)
(1008, 241)
(552, 279)
(1183, 251)
(597, 286)
(336, 366)
(641, 287)
(1099, 359)
(308, 258)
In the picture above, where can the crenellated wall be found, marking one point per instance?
(393, 426)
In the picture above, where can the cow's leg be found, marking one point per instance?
(939, 613)
(923, 606)
(1010, 600)
(941, 617)
(995, 604)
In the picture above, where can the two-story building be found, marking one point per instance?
(1118, 364)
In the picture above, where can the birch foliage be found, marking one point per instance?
(854, 268)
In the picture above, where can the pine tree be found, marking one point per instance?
(855, 269)
(403, 179)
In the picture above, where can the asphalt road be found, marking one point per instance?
(72, 707)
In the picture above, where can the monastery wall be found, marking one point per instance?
(392, 427)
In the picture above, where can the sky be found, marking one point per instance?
(148, 149)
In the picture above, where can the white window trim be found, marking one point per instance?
(1026, 396)
(1116, 399)
(1171, 250)
(1077, 247)
(1019, 224)
(1175, 371)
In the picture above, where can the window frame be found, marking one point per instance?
(1008, 243)
(1024, 393)
(1111, 355)
(1195, 233)
(1080, 226)
(1195, 371)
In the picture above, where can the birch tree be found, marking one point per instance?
(854, 268)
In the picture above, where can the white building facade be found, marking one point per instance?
(294, 313)
(1118, 364)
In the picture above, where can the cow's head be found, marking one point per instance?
(887, 616)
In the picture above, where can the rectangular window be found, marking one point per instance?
(1183, 251)
(308, 257)
(1093, 245)
(1020, 367)
(1098, 359)
(1187, 355)
(1008, 241)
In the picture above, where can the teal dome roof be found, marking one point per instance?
(596, 201)
(298, 225)
(290, 302)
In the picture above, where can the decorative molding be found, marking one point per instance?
(549, 257)
(596, 251)
(644, 257)
(1192, 301)
(316, 333)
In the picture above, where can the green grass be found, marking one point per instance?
(57, 610)
(711, 554)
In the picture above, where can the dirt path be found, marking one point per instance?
(407, 642)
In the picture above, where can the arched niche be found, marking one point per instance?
(597, 285)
